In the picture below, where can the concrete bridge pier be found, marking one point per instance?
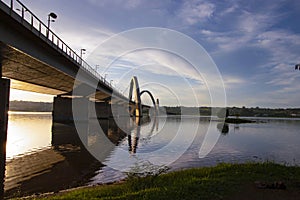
(62, 110)
(4, 105)
(63, 113)
(106, 110)
(102, 110)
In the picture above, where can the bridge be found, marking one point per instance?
(33, 58)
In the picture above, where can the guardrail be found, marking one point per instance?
(45, 33)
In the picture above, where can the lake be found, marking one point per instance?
(44, 156)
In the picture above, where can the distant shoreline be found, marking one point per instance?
(29, 106)
(29, 112)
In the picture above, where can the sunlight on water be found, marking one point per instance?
(27, 131)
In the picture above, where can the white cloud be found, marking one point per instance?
(127, 4)
(233, 81)
(283, 47)
(196, 11)
(206, 32)
(230, 10)
(247, 26)
(253, 23)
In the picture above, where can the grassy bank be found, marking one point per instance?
(225, 181)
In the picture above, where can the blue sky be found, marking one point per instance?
(255, 44)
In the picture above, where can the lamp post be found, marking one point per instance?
(96, 67)
(97, 74)
(111, 82)
(81, 53)
(53, 16)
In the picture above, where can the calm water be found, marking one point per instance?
(28, 131)
(52, 151)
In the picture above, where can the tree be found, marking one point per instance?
(223, 113)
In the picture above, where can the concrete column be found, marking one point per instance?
(119, 109)
(63, 113)
(62, 110)
(157, 106)
(80, 113)
(4, 104)
(103, 110)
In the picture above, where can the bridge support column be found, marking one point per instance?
(103, 110)
(81, 117)
(63, 113)
(62, 110)
(4, 104)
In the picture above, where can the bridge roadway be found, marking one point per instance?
(33, 58)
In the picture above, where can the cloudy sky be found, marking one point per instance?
(254, 44)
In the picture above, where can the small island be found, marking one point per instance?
(238, 120)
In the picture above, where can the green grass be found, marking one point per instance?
(217, 182)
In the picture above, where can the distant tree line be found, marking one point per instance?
(236, 111)
(30, 106)
(177, 110)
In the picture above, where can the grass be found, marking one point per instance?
(221, 182)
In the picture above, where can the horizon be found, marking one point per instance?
(201, 106)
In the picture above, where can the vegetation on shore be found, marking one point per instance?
(30, 106)
(224, 181)
(204, 111)
(236, 111)
(238, 121)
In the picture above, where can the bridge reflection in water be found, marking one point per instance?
(67, 163)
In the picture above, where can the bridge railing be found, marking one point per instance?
(30, 20)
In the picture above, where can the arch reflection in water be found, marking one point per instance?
(134, 136)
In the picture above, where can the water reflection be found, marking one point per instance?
(64, 160)
(63, 163)
(55, 158)
(134, 135)
(223, 128)
(27, 131)
(133, 138)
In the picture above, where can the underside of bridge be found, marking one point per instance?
(36, 63)
(29, 74)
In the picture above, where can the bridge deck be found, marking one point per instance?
(38, 60)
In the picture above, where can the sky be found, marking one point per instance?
(254, 45)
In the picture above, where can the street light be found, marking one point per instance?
(81, 53)
(105, 76)
(53, 16)
(96, 67)
(111, 82)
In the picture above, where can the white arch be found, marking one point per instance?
(134, 87)
(152, 99)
